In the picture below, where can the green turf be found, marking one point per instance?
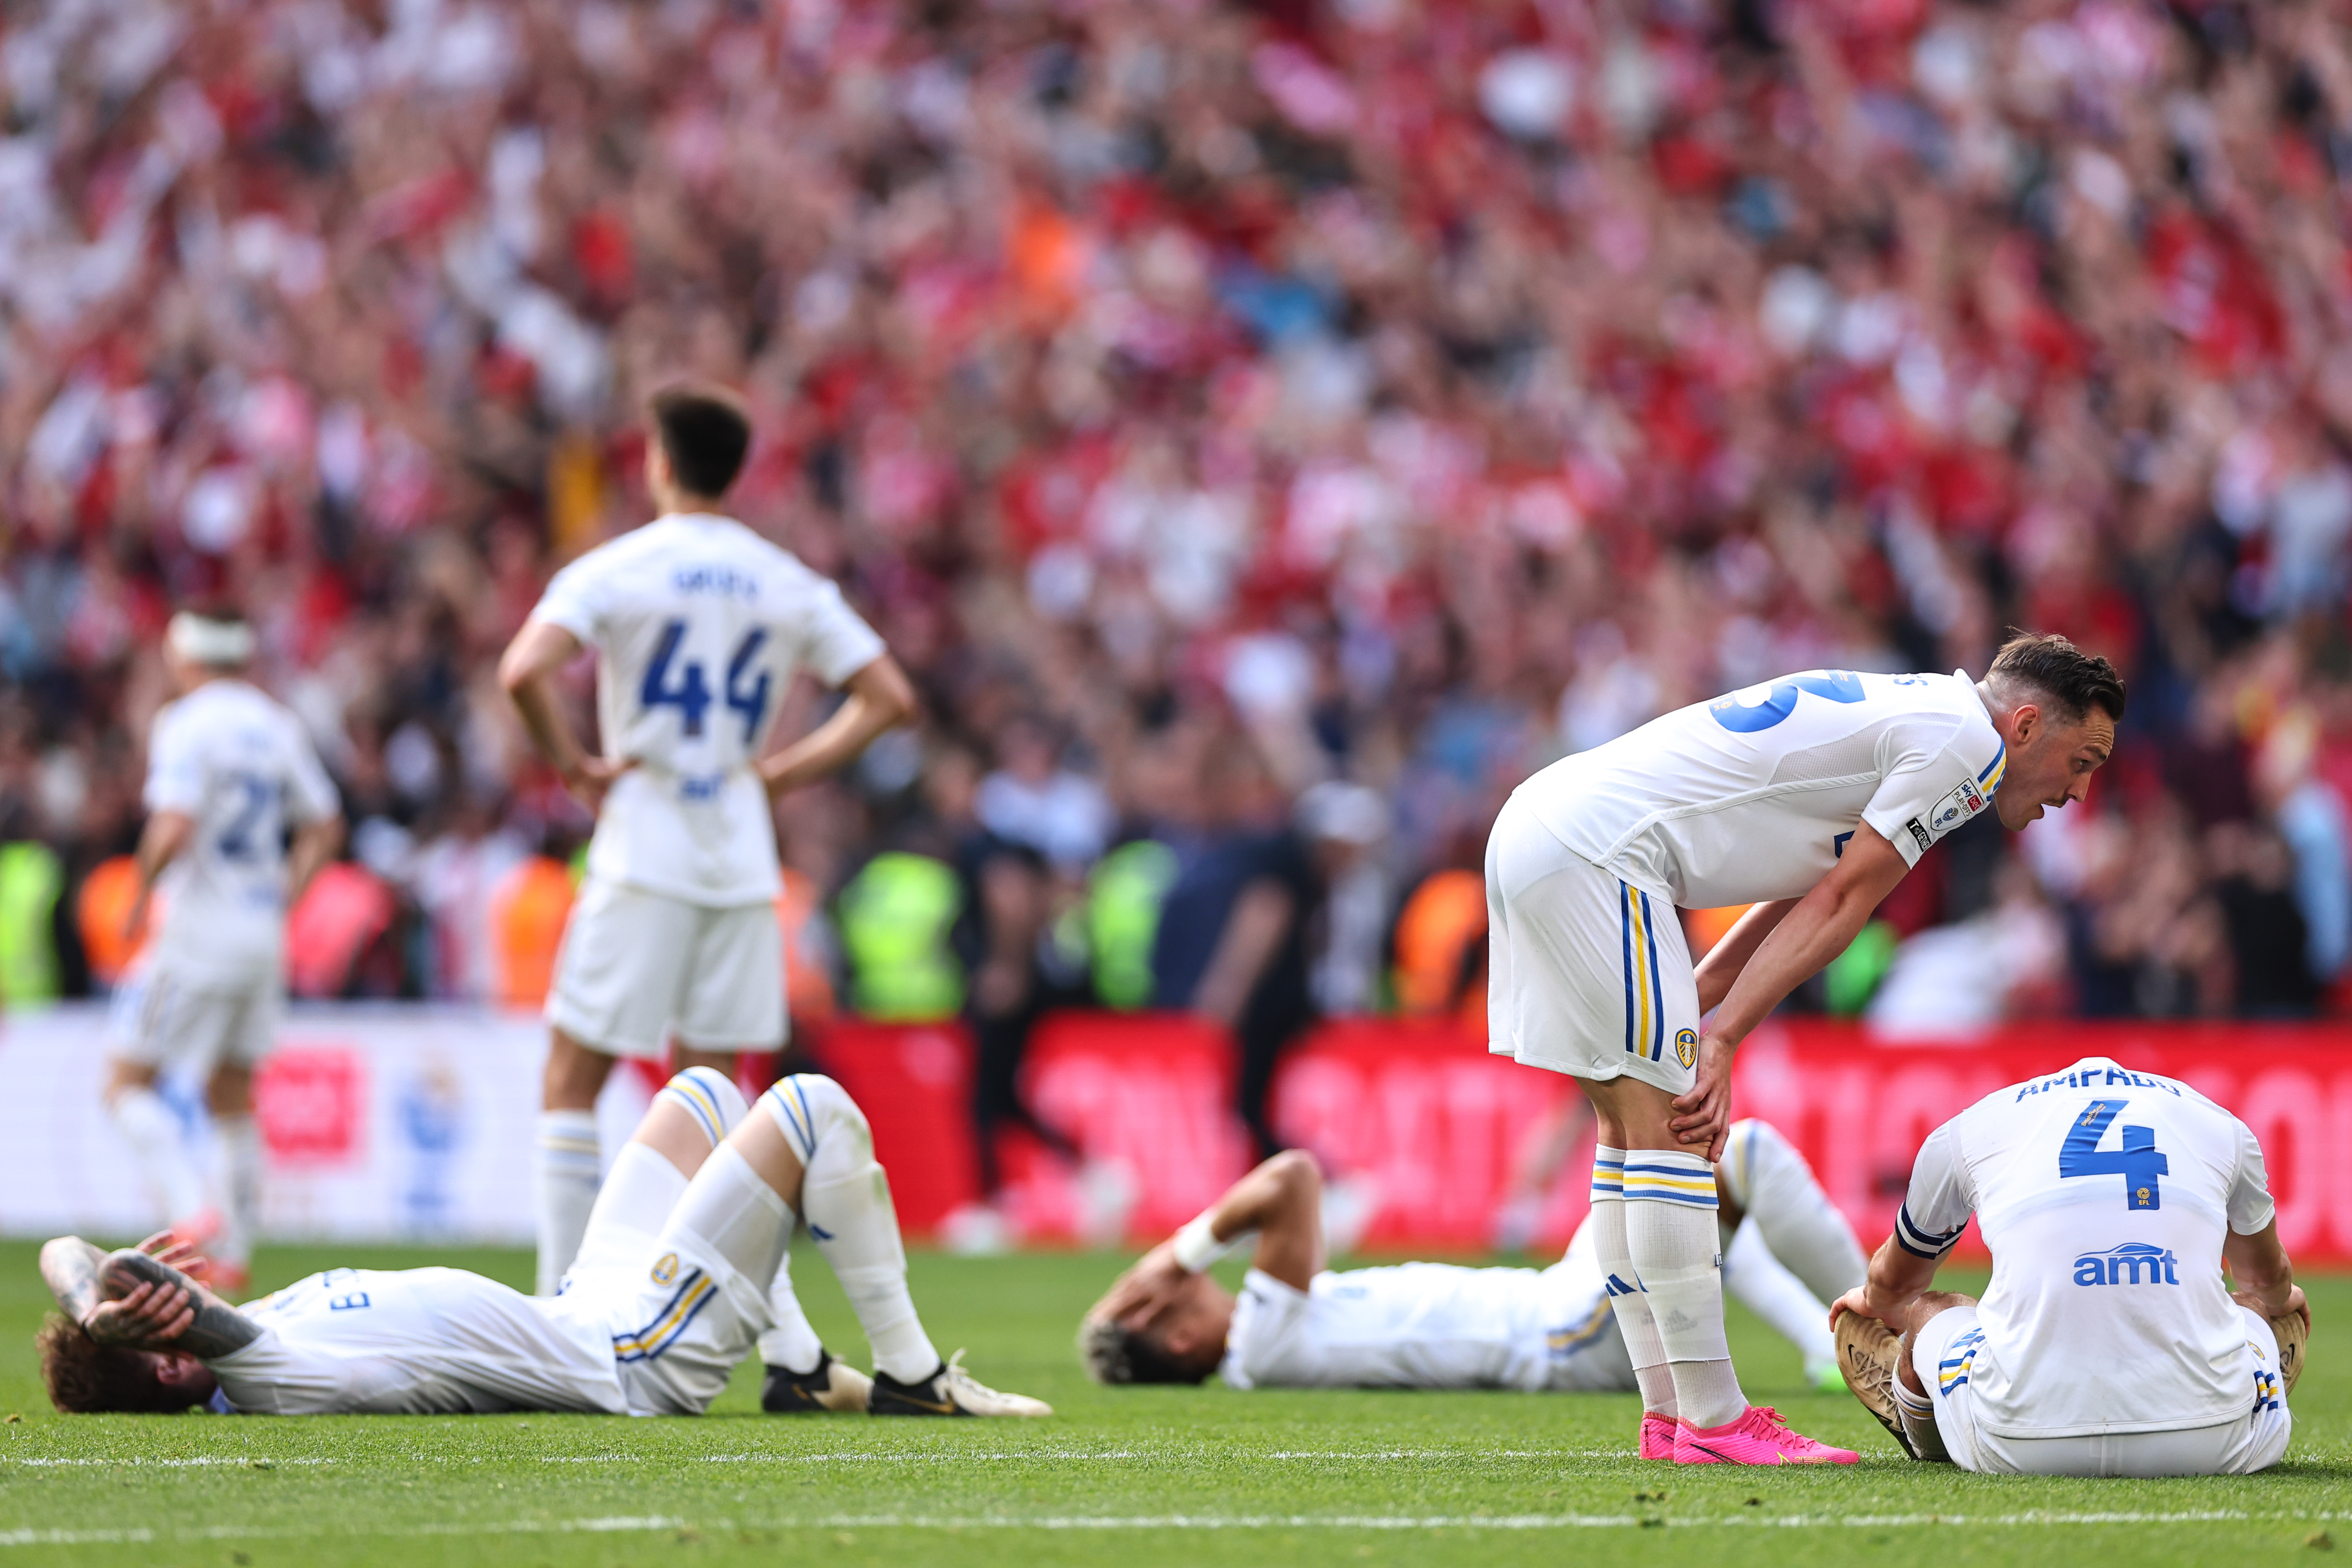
(1137, 1475)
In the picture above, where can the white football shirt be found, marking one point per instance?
(415, 1342)
(1753, 796)
(699, 625)
(2105, 1195)
(240, 764)
(1431, 1325)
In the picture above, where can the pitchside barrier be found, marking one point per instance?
(417, 1122)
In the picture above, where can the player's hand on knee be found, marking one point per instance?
(1856, 1301)
(150, 1316)
(1703, 1115)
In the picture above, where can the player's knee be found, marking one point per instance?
(813, 1111)
(1297, 1171)
(709, 1098)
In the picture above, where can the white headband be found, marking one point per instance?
(200, 639)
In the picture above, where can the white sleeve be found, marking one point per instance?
(310, 794)
(835, 643)
(272, 1377)
(577, 600)
(1260, 1351)
(1930, 788)
(1941, 1198)
(2250, 1208)
(176, 767)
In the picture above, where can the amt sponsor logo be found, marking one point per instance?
(2129, 1264)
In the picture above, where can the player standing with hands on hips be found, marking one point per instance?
(698, 626)
(1808, 798)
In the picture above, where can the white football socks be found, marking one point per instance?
(1753, 1274)
(1765, 1175)
(158, 1145)
(636, 1201)
(846, 1200)
(567, 1171)
(237, 1176)
(1634, 1323)
(1670, 1235)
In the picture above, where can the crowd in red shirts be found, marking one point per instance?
(1397, 393)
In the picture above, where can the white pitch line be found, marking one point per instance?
(648, 1523)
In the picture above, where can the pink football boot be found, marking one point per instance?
(1757, 1437)
(1658, 1436)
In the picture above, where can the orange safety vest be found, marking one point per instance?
(528, 908)
(106, 897)
(1434, 930)
(808, 989)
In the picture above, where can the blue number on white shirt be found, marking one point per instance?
(2136, 1161)
(236, 841)
(1837, 685)
(350, 1303)
(750, 701)
(691, 695)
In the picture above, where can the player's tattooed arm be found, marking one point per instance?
(69, 1268)
(151, 1304)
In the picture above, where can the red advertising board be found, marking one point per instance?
(1435, 1131)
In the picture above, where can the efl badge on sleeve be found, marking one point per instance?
(666, 1268)
(1686, 1047)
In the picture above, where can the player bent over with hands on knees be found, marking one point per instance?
(1433, 1325)
(684, 1270)
(2108, 1342)
(1807, 798)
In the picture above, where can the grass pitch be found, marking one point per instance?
(1133, 1475)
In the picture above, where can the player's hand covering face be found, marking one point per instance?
(2051, 760)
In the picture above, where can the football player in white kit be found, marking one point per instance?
(1808, 798)
(229, 771)
(1435, 1325)
(685, 1269)
(698, 626)
(2108, 1342)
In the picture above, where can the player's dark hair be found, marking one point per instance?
(705, 431)
(86, 1378)
(2076, 681)
(1114, 1353)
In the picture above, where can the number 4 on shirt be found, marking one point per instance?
(691, 695)
(2136, 1161)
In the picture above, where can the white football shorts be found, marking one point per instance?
(1585, 974)
(636, 965)
(1946, 1352)
(163, 1019)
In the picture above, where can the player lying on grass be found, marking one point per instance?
(2108, 1342)
(683, 1271)
(1433, 1325)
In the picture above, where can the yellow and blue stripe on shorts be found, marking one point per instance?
(1646, 1008)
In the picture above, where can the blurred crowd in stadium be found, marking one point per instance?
(1266, 433)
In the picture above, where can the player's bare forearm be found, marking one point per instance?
(69, 1268)
(1899, 1277)
(160, 842)
(1728, 957)
(212, 1328)
(527, 672)
(880, 699)
(1822, 924)
(2259, 1266)
(315, 844)
(1282, 1200)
